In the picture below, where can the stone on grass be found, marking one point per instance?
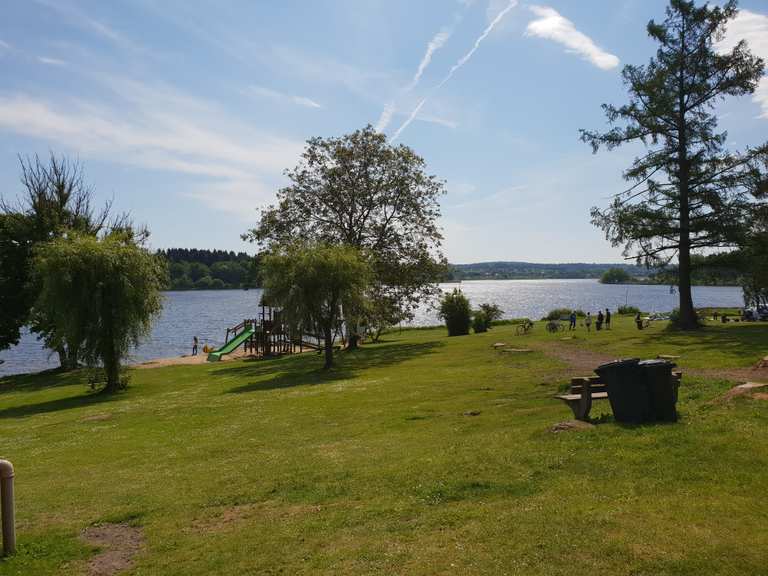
(571, 425)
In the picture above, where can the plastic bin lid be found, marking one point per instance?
(618, 364)
(657, 363)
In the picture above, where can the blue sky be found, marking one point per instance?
(186, 112)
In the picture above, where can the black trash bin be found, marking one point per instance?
(662, 389)
(627, 390)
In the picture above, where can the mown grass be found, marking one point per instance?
(420, 455)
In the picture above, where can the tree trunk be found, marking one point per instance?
(109, 356)
(328, 333)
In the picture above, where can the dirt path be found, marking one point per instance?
(118, 543)
(584, 362)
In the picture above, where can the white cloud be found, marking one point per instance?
(160, 130)
(552, 26)
(51, 61)
(753, 28)
(282, 97)
(439, 120)
(4, 45)
(463, 60)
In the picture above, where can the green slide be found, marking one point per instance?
(230, 346)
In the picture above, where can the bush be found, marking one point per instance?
(483, 318)
(456, 312)
(480, 322)
(628, 310)
(559, 313)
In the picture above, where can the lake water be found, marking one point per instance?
(207, 314)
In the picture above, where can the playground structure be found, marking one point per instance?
(266, 335)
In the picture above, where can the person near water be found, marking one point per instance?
(588, 321)
(639, 321)
(194, 346)
(607, 319)
(572, 320)
(599, 322)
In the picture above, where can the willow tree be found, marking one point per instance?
(101, 294)
(55, 201)
(359, 191)
(688, 193)
(314, 284)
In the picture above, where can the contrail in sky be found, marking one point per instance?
(437, 42)
(463, 60)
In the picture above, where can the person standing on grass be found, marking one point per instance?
(607, 319)
(588, 321)
(600, 318)
(572, 321)
(194, 346)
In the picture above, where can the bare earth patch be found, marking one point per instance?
(97, 417)
(188, 359)
(571, 425)
(119, 544)
(755, 390)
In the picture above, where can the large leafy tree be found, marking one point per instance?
(55, 201)
(15, 257)
(687, 193)
(101, 294)
(360, 191)
(314, 284)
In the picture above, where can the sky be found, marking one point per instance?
(186, 113)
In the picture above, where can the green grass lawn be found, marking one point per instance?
(420, 455)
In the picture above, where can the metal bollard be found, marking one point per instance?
(8, 511)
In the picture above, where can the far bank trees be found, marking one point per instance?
(688, 194)
(359, 191)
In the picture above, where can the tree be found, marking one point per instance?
(313, 283)
(15, 258)
(55, 201)
(485, 316)
(456, 311)
(360, 191)
(615, 276)
(687, 192)
(101, 294)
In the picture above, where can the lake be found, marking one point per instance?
(207, 314)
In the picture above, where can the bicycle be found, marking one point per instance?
(524, 328)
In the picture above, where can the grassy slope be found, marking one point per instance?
(273, 467)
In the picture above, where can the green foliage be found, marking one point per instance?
(313, 283)
(687, 193)
(615, 276)
(360, 191)
(15, 258)
(560, 313)
(101, 295)
(483, 318)
(55, 201)
(456, 312)
(628, 310)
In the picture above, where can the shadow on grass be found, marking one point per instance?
(747, 341)
(59, 404)
(306, 368)
(39, 380)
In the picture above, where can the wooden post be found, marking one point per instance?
(8, 508)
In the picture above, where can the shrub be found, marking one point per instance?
(559, 313)
(456, 312)
(628, 310)
(480, 322)
(615, 276)
(485, 316)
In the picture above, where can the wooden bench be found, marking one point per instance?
(585, 389)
